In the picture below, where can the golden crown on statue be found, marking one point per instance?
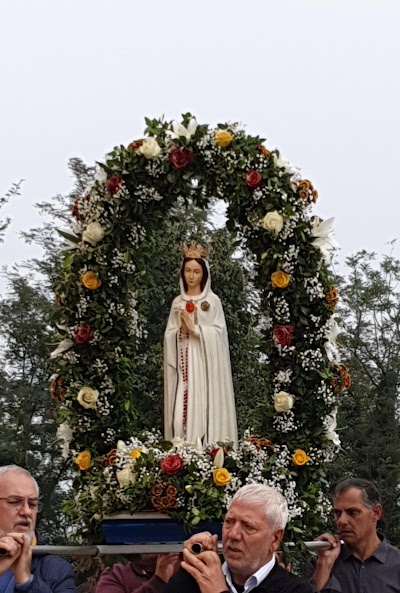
(195, 250)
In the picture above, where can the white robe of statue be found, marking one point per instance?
(204, 357)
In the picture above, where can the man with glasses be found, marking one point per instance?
(19, 572)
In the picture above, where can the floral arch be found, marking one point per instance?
(101, 326)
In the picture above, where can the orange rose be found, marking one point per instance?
(83, 460)
(266, 153)
(305, 184)
(300, 457)
(332, 297)
(135, 145)
(280, 279)
(303, 193)
(89, 280)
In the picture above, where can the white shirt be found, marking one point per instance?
(253, 581)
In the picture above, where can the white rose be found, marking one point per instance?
(87, 397)
(283, 402)
(150, 148)
(93, 233)
(125, 476)
(273, 222)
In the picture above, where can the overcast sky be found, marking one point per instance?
(320, 80)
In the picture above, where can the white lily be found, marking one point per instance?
(64, 434)
(101, 175)
(330, 426)
(63, 346)
(198, 444)
(178, 130)
(177, 442)
(219, 459)
(323, 232)
(332, 352)
(333, 330)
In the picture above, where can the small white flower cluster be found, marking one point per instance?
(314, 288)
(282, 310)
(289, 258)
(326, 392)
(311, 360)
(285, 350)
(120, 261)
(285, 422)
(155, 167)
(107, 386)
(103, 406)
(145, 193)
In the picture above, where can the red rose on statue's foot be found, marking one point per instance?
(190, 307)
(171, 464)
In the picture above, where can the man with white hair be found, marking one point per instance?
(19, 572)
(252, 531)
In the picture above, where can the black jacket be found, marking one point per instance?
(278, 581)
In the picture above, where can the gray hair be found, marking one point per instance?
(275, 505)
(5, 469)
(369, 492)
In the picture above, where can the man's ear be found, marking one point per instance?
(377, 512)
(276, 542)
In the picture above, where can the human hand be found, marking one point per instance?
(21, 568)
(205, 539)
(330, 555)
(166, 566)
(187, 322)
(12, 543)
(206, 569)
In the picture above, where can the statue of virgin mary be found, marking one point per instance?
(199, 402)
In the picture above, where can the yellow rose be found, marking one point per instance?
(83, 460)
(300, 457)
(87, 397)
(223, 138)
(280, 279)
(221, 477)
(135, 453)
(90, 281)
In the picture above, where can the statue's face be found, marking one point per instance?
(193, 273)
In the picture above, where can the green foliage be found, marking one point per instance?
(13, 191)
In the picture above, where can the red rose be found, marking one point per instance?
(190, 306)
(113, 184)
(181, 157)
(253, 179)
(282, 335)
(84, 334)
(171, 464)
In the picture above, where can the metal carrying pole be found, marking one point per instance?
(123, 549)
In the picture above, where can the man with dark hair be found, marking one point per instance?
(19, 572)
(365, 562)
(252, 531)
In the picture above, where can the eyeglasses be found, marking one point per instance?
(17, 502)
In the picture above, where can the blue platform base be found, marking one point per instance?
(137, 529)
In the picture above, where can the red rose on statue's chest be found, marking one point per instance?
(190, 306)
